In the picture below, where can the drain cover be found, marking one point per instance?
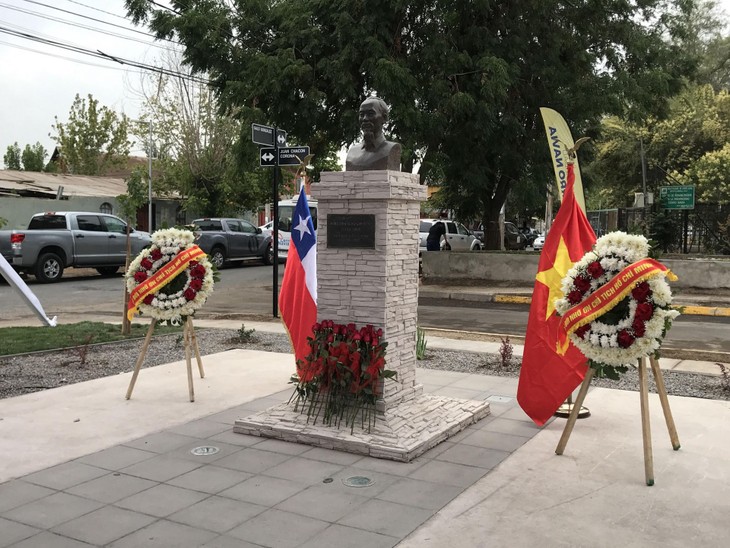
(358, 481)
(204, 450)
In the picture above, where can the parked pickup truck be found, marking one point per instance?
(228, 240)
(62, 239)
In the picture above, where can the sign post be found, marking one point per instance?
(677, 197)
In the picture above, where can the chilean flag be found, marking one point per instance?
(298, 295)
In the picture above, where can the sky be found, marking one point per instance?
(41, 84)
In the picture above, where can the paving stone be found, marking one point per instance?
(161, 468)
(473, 456)
(111, 488)
(252, 460)
(304, 470)
(52, 510)
(18, 492)
(420, 493)
(65, 475)
(117, 457)
(165, 534)
(199, 429)
(264, 490)
(278, 446)
(513, 427)
(224, 541)
(495, 440)
(186, 451)
(12, 531)
(349, 537)
(448, 473)
(162, 500)
(277, 528)
(322, 502)
(210, 479)
(160, 442)
(217, 514)
(104, 525)
(329, 455)
(232, 438)
(50, 540)
(387, 518)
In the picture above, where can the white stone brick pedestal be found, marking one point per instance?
(375, 285)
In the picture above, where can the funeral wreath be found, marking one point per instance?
(171, 279)
(616, 304)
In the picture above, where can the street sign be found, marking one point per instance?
(264, 135)
(267, 157)
(292, 156)
(677, 197)
(289, 156)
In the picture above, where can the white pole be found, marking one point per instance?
(149, 180)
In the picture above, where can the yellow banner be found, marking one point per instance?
(607, 297)
(560, 140)
(161, 278)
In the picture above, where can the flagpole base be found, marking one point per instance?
(565, 410)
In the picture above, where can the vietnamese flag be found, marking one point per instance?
(546, 377)
(298, 295)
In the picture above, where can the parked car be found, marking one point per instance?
(539, 243)
(529, 234)
(513, 238)
(267, 228)
(58, 240)
(457, 235)
(228, 240)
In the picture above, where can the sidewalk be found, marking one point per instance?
(82, 466)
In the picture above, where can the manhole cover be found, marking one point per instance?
(358, 481)
(204, 450)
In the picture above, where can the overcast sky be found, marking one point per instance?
(39, 81)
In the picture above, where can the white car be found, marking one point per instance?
(266, 229)
(539, 243)
(458, 236)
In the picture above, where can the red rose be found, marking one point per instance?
(146, 264)
(582, 284)
(641, 292)
(644, 311)
(190, 294)
(196, 284)
(575, 296)
(625, 339)
(581, 331)
(198, 271)
(148, 299)
(595, 269)
(639, 328)
(156, 254)
(140, 276)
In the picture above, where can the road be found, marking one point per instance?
(246, 292)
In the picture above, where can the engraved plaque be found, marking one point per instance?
(351, 231)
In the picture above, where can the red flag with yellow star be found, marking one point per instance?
(546, 377)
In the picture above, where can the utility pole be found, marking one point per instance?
(149, 180)
(643, 183)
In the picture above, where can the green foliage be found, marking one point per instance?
(606, 371)
(12, 156)
(34, 157)
(3, 222)
(136, 196)
(464, 79)
(663, 230)
(246, 335)
(94, 139)
(420, 343)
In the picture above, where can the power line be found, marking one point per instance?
(93, 19)
(97, 9)
(101, 55)
(64, 57)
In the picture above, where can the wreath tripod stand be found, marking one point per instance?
(645, 423)
(190, 342)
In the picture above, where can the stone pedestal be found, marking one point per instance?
(373, 279)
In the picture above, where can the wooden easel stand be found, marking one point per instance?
(645, 423)
(190, 342)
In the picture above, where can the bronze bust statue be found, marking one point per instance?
(373, 152)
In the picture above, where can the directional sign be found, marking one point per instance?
(267, 157)
(264, 135)
(677, 197)
(292, 156)
(289, 156)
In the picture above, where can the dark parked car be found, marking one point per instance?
(513, 239)
(228, 240)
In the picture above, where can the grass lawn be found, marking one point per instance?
(18, 340)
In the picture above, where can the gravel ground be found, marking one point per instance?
(41, 371)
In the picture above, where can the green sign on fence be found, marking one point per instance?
(677, 197)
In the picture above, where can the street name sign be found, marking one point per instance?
(288, 156)
(677, 197)
(264, 135)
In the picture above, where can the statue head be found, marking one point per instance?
(372, 115)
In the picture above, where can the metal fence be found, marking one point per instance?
(702, 230)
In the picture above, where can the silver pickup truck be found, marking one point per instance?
(227, 240)
(62, 239)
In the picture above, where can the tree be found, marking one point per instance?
(464, 79)
(34, 158)
(12, 156)
(94, 139)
